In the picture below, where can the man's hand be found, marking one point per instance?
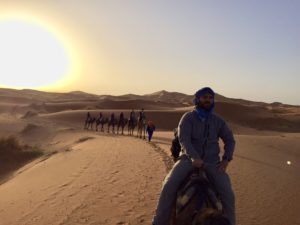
(223, 165)
(197, 163)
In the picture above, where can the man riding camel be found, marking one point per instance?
(121, 117)
(87, 120)
(100, 116)
(199, 131)
(111, 122)
(142, 115)
(132, 115)
(112, 118)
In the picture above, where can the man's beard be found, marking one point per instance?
(205, 106)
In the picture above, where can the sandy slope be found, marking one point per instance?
(105, 180)
(109, 179)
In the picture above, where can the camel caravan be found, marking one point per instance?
(117, 125)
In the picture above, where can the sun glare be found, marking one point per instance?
(31, 56)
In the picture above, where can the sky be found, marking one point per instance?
(242, 49)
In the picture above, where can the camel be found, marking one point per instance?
(197, 202)
(87, 120)
(210, 216)
(101, 121)
(131, 125)
(89, 123)
(112, 122)
(142, 124)
(121, 124)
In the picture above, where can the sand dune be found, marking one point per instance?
(105, 180)
(259, 117)
(241, 120)
(239, 112)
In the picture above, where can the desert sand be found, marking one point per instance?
(89, 177)
(99, 180)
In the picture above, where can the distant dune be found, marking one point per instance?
(164, 107)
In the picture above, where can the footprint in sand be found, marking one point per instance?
(115, 172)
(118, 195)
(64, 185)
(71, 195)
(112, 180)
(122, 223)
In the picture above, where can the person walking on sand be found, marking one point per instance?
(150, 129)
(199, 131)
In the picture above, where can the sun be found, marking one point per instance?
(31, 56)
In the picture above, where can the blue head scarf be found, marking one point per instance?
(203, 114)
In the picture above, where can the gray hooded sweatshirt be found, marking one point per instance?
(199, 138)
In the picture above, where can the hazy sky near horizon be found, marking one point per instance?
(242, 49)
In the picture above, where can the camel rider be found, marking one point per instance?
(132, 115)
(87, 120)
(121, 117)
(88, 116)
(100, 117)
(142, 115)
(112, 117)
(199, 131)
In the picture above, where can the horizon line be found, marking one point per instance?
(163, 90)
